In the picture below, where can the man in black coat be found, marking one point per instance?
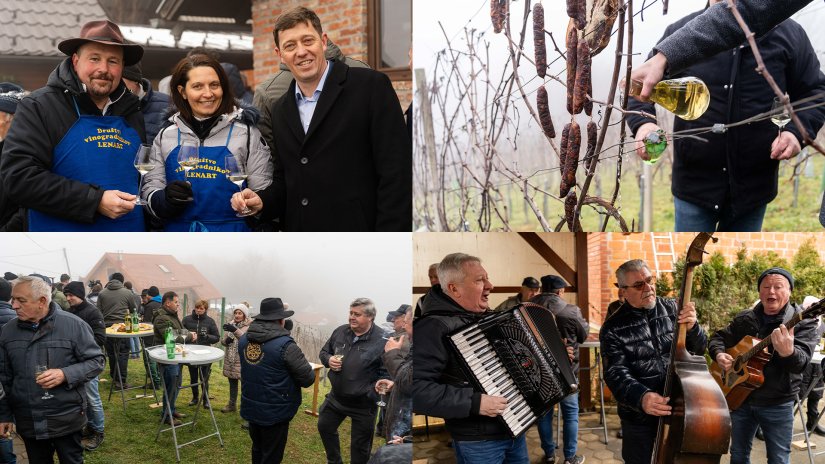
(200, 323)
(771, 405)
(726, 183)
(69, 157)
(343, 159)
(440, 386)
(573, 329)
(635, 346)
(93, 433)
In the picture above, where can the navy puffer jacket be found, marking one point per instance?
(635, 346)
(155, 108)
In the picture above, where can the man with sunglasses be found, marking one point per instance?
(635, 345)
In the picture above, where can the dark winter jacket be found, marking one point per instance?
(273, 369)
(7, 313)
(11, 215)
(149, 311)
(41, 121)
(735, 168)
(92, 316)
(569, 320)
(204, 326)
(61, 340)
(354, 385)
(635, 345)
(114, 301)
(718, 30)
(398, 415)
(155, 107)
(165, 318)
(783, 376)
(440, 386)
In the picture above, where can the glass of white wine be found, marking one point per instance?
(144, 164)
(779, 114)
(338, 354)
(236, 173)
(188, 156)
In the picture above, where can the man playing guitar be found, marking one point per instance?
(788, 353)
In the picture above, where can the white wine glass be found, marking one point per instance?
(779, 114)
(382, 392)
(144, 164)
(188, 156)
(39, 369)
(236, 173)
(338, 353)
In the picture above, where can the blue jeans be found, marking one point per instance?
(694, 218)
(492, 451)
(134, 346)
(170, 373)
(569, 408)
(95, 407)
(777, 427)
(7, 451)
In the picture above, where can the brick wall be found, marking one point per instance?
(611, 249)
(344, 21)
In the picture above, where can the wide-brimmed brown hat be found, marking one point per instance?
(103, 32)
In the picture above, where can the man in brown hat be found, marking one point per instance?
(273, 369)
(69, 156)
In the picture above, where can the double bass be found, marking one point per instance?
(698, 429)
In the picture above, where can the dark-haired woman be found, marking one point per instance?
(200, 199)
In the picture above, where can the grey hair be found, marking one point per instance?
(367, 304)
(451, 268)
(633, 265)
(39, 287)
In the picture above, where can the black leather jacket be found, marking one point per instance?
(635, 345)
(783, 376)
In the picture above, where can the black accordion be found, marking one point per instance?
(518, 354)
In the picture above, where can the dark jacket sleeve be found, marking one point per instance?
(617, 374)
(26, 165)
(726, 337)
(400, 369)
(804, 79)
(5, 383)
(90, 358)
(430, 395)
(392, 149)
(98, 326)
(298, 366)
(212, 334)
(716, 29)
(804, 341)
(327, 350)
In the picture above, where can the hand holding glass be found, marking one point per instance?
(382, 391)
(339, 356)
(39, 369)
(236, 173)
(779, 115)
(144, 164)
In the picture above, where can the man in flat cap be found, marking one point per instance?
(529, 288)
(573, 328)
(273, 369)
(69, 156)
(771, 405)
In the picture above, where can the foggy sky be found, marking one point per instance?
(318, 273)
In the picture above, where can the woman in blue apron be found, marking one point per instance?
(199, 200)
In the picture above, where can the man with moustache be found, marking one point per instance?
(771, 405)
(355, 379)
(69, 156)
(635, 345)
(440, 386)
(343, 159)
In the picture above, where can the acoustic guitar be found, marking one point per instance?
(749, 359)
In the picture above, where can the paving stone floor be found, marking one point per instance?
(591, 444)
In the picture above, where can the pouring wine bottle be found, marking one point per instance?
(686, 97)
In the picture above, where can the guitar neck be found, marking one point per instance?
(768, 341)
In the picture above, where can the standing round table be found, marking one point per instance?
(146, 330)
(195, 355)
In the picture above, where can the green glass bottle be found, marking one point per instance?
(135, 322)
(170, 343)
(655, 144)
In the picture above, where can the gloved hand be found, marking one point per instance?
(229, 327)
(178, 193)
(288, 324)
(228, 341)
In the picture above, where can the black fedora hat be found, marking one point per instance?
(103, 32)
(272, 309)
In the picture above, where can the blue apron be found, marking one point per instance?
(210, 211)
(97, 150)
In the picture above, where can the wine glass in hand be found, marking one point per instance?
(382, 391)
(144, 164)
(779, 115)
(236, 173)
(188, 156)
(39, 369)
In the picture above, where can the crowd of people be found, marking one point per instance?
(68, 153)
(635, 344)
(263, 363)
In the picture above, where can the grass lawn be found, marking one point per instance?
(130, 435)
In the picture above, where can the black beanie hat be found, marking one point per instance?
(775, 270)
(75, 288)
